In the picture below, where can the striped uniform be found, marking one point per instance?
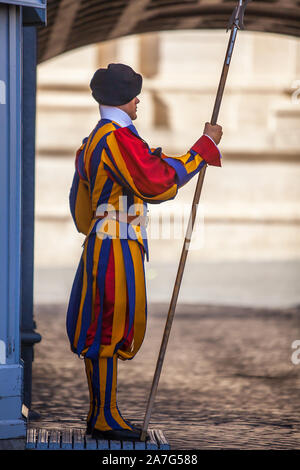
(115, 170)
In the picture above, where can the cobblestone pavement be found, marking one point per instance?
(228, 381)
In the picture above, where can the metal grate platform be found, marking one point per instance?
(76, 439)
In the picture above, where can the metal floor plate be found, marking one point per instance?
(76, 439)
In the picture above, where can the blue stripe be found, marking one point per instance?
(108, 389)
(130, 280)
(107, 407)
(130, 201)
(74, 304)
(73, 196)
(94, 349)
(106, 121)
(133, 129)
(80, 164)
(118, 175)
(192, 156)
(96, 156)
(96, 390)
(113, 174)
(91, 137)
(182, 175)
(88, 301)
(106, 192)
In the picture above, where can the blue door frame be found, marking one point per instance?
(12, 232)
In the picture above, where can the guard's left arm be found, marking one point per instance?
(150, 174)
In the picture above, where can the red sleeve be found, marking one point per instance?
(208, 150)
(150, 173)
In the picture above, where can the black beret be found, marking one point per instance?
(116, 85)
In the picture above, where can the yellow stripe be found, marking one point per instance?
(119, 315)
(97, 248)
(114, 148)
(193, 165)
(92, 145)
(85, 153)
(100, 181)
(116, 192)
(83, 209)
(102, 385)
(89, 372)
(119, 318)
(101, 422)
(114, 412)
(183, 158)
(140, 301)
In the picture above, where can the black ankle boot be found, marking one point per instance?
(118, 435)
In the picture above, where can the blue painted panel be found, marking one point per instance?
(11, 422)
(11, 229)
(34, 16)
(4, 142)
(27, 3)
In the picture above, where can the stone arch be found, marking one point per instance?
(73, 23)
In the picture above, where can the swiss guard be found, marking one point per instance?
(116, 175)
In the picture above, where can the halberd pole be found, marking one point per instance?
(235, 23)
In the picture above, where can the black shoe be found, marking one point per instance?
(88, 429)
(135, 427)
(118, 435)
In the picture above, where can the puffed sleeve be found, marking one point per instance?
(79, 197)
(150, 174)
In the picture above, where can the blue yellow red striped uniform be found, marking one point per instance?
(116, 170)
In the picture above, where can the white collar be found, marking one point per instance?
(115, 114)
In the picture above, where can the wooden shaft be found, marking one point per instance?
(224, 74)
(186, 243)
(173, 302)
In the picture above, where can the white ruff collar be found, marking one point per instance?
(115, 114)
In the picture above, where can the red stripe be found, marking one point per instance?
(108, 305)
(151, 175)
(109, 300)
(108, 309)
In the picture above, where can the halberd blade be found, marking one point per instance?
(242, 14)
(237, 17)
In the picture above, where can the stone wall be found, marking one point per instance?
(250, 207)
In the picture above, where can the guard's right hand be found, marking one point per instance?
(214, 132)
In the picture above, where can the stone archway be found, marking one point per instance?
(73, 24)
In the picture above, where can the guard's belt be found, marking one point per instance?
(140, 220)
